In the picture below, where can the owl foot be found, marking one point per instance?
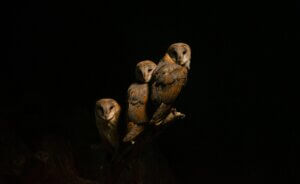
(177, 115)
(174, 115)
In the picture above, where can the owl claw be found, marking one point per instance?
(180, 115)
(177, 114)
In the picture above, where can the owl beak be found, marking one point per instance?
(107, 116)
(180, 60)
(145, 78)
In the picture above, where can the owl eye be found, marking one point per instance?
(184, 52)
(174, 53)
(100, 109)
(150, 69)
(111, 107)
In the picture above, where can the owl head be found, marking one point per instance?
(144, 70)
(181, 54)
(107, 109)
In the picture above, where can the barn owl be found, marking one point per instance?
(107, 114)
(168, 79)
(137, 98)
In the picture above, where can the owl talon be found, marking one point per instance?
(180, 115)
(177, 114)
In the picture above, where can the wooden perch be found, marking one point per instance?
(149, 134)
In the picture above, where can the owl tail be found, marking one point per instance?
(160, 114)
(133, 131)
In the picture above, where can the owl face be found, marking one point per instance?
(180, 53)
(107, 109)
(144, 70)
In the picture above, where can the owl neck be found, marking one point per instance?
(167, 58)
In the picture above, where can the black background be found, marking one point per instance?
(62, 56)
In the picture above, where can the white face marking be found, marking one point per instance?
(106, 109)
(181, 54)
(148, 73)
(144, 70)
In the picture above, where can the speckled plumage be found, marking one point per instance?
(168, 80)
(137, 100)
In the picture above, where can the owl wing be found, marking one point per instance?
(133, 130)
(134, 95)
(167, 83)
(137, 96)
